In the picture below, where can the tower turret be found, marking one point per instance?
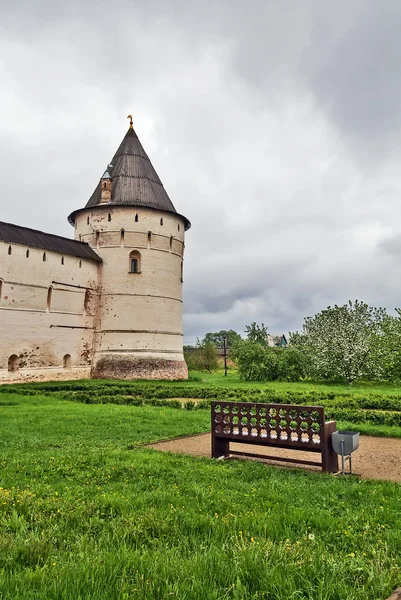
(133, 225)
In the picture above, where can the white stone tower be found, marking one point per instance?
(132, 224)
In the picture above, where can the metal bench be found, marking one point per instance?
(287, 426)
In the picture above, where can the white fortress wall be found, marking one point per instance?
(47, 308)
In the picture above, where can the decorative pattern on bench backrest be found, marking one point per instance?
(286, 425)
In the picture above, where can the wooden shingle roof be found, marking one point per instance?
(134, 180)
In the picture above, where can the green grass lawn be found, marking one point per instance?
(87, 514)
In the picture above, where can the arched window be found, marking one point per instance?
(161, 221)
(105, 184)
(44, 256)
(27, 253)
(67, 361)
(109, 217)
(13, 363)
(62, 260)
(87, 221)
(135, 262)
(10, 250)
(49, 298)
(136, 218)
(122, 234)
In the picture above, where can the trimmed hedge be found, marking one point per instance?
(355, 408)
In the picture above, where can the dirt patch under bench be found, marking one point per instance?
(376, 458)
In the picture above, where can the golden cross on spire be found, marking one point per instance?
(131, 123)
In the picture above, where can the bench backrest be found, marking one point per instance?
(286, 425)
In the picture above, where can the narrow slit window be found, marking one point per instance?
(122, 236)
(87, 301)
(10, 250)
(161, 221)
(171, 242)
(27, 254)
(80, 264)
(97, 236)
(1, 288)
(109, 217)
(62, 260)
(182, 270)
(44, 257)
(149, 238)
(87, 221)
(136, 218)
(178, 227)
(49, 298)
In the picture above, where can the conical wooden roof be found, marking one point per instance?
(134, 180)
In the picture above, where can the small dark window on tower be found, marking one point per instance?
(122, 234)
(105, 184)
(97, 236)
(1, 287)
(161, 221)
(87, 221)
(182, 271)
(171, 242)
(49, 298)
(10, 250)
(149, 238)
(67, 361)
(135, 262)
(44, 256)
(80, 237)
(80, 264)
(13, 363)
(136, 218)
(109, 217)
(27, 253)
(178, 227)
(62, 260)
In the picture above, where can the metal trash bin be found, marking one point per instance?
(345, 443)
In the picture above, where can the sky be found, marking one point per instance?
(274, 125)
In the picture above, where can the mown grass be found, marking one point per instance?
(83, 516)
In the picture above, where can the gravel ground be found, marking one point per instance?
(376, 458)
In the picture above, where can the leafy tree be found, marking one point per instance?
(257, 333)
(389, 349)
(293, 364)
(255, 362)
(218, 338)
(204, 358)
(343, 342)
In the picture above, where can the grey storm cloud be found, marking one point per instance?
(274, 126)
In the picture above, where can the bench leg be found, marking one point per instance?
(220, 447)
(329, 456)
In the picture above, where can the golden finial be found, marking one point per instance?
(131, 123)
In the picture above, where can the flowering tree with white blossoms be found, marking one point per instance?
(344, 342)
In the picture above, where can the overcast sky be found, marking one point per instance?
(274, 125)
